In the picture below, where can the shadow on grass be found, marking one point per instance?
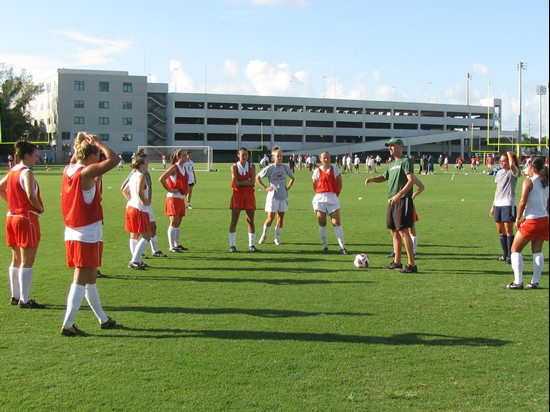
(424, 339)
(263, 313)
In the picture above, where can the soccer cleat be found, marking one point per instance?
(324, 251)
(14, 301)
(502, 258)
(343, 251)
(277, 241)
(144, 257)
(394, 265)
(72, 331)
(408, 269)
(391, 255)
(181, 248)
(174, 250)
(532, 286)
(262, 240)
(189, 206)
(109, 324)
(31, 304)
(144, 265)
(515, 286)
(232, 249)
(158, 253)
(136, 265)
(252, 249)
(99, 274)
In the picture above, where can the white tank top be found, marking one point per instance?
(135, 200)
(537, 200)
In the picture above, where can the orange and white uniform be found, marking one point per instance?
(137, 213)
(22, 226)
(535, 225)
(83, 216)
(243, 197)
(174, 204)
(327, 190)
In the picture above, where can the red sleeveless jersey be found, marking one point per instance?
(18, 201)
(242, 178)
(76, 212)
(327, 182)
(182, 181)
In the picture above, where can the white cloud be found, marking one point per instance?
(384, 92)
(302, 76)
(230, 68)
(455, 95)
(376, 75)
(180, 81)
(269, 80)
(39, 67)
(480, 68)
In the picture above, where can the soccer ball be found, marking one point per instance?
(361, 261)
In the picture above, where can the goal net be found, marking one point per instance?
(200, 155)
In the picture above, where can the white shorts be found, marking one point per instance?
(326, 202)
(275, 205)
(151, 214)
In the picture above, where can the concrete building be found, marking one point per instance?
(128, 112)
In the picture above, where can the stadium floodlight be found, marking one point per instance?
(521, 66)
(541, 91)
(202, 156)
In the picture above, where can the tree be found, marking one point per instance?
(16, 95)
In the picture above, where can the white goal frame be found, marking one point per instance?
(202, 156)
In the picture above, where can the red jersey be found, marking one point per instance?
(76, 212)
(18, 201)
(327, 183)
(182, 180)
(242, 178)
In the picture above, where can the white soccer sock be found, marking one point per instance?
(517, 266)
(266, 230)
(92, 297)
(172, 237)
(232, 236)
(178, 235)
(339, 232)
(74, 300)
(25, 280)
(154, 244)
(538, 265)
(278, 231)
(138, 251)
(251, 239)
(133, 244)
(415, 243)
(323, 235)
(13, 274)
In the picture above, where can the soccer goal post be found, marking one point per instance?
(201, 156)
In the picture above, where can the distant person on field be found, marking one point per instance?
(503, 209)
(120, 163)
(276, 202)
(10, 162)
(533, 207)
(83, 216)
(163, 158)
(20, 190)
(327, 184)
(190, 169)
(264, 161)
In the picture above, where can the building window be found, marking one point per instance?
(103, 86)
(127, 137)
(103, 120)
(127, 87)
(104, 136)
(127, 105)
(79, 85)
(65, 136)
(103, 104)
(126, 121)
(79, 120)
(79, 104)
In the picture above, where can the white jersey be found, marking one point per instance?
(190, 169)
(277, 179)
(537, 200)
(135, 199)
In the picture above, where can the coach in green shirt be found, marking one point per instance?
(399, 218)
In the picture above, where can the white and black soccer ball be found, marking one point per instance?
(361, 261)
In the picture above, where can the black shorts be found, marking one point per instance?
(505, 213)
(191, 184)
(400, 215)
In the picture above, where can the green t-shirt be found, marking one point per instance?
(396, 176)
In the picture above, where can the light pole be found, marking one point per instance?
(324, 87)
(541, 91)
(521, 66)
(468, 78)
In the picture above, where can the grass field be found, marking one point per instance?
(287, 328)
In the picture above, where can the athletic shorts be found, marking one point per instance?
(23, 230)
(192, 184)
(82, 254)
(326, 203)
(415, 216)
(137, 221)
(174, 206)
(505, 213)
(533, 229)
(400, 215)
(243, 201)
(275, 205)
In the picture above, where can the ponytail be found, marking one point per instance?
(541, 169)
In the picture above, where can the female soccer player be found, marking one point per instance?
(175, 181)
(83, 216)
(20, 190)
(327, 184)
(277, 193)
(136, 192)
(533, 207)
(242, 182)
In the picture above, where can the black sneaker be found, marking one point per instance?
(180, 247)
(136, 265)
(532, 286)
(502, 258)
(31, 304)
(252, 249)
(72, 331)
(175, 250)
(515, 286)
(343, 251)
(14, 301)
(99, 274)
(409, 269)
(158, 253)
(109, 324)
(144, 257)
(394, 265)
(391, 255)
(324, 251)
(232, 249)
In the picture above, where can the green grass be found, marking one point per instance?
(287, 328)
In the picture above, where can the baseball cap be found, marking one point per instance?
(394, 140)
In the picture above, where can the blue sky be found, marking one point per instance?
(407, 51)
